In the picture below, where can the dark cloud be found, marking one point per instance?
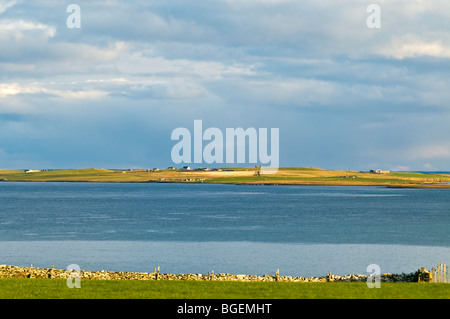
(110, 93)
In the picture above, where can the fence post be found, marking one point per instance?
(437, 273)
(444, 272)
(440, 273)
(447, 276)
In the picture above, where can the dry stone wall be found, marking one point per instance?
(7, 271)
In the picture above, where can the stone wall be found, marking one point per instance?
(32, 272)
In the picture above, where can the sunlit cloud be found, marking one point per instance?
(19, 30)
(411, 46)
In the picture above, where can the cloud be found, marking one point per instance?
(11, 89)
(152, 21)
(413, 46)
(341, 93)
(20, 30)
(81, 52)
(280, 92)
(14, 88)
(142, 63)
(5, 5)
(168, 90)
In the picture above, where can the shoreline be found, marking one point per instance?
(8, 271)
(290, 183)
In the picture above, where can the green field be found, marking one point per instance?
(284, 176)
(25, 288)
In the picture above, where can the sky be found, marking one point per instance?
(110, 93)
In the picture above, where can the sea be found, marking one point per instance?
(237, 229)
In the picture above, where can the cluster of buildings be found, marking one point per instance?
(185, 168)
(378, 171)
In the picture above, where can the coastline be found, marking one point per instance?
(429, 186)
(286, 176)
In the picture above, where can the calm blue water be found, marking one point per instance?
(302, 230)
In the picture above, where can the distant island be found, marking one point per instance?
(249, 175)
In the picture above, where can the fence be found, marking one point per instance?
(440, 273)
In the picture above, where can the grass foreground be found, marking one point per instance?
(284, 176)
(39, 288)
